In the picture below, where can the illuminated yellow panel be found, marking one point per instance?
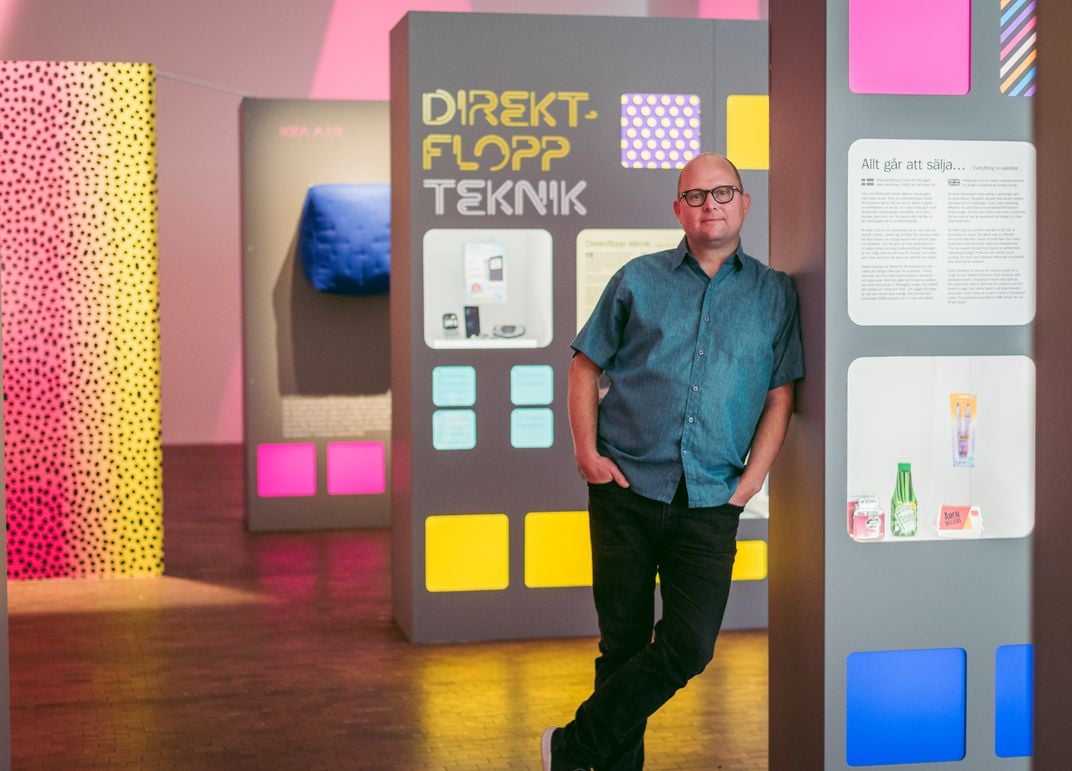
(748, 131)
(466, 552)
(557, 549)
(751, 564)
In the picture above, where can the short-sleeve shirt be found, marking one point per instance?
(690, 360)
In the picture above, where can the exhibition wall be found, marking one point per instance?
(5, 678)
(1052, 605)
(517, 194)
(913, 237)
(81, 336)
(315, 221)
(208, 56)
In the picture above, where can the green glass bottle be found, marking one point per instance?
(904, 510)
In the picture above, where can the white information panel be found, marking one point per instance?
(941, 232)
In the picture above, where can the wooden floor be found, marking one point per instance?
(278, 651)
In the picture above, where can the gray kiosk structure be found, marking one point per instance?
(316, 387)
(900, 625)
(526, 169)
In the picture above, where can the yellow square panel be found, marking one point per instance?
(466, 552)
(557, 549)
(751, 563)
(748, 131)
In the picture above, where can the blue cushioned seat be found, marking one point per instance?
(345, 238)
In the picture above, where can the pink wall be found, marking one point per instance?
(353, 60)
(208, 55)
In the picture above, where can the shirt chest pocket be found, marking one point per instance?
(747, 342)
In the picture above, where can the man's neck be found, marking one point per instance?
(711, 259)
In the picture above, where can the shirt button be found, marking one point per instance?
(684, 452)
(701, 351)
(706, 318)
(692, 419)
(696, 388)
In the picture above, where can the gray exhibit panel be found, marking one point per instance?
(519, 188)
(316, 388)
(929, 304)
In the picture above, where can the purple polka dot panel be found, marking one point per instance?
(659, 131)
(81, 354)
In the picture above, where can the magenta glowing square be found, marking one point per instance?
(286, 470)
(910, 47)
(659, 131)
(356, 468)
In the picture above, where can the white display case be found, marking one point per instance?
(899, 410)
(487, 288)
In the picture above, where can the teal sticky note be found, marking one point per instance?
(531, 384)
(453, 429)
(532, 427)
(454, 386)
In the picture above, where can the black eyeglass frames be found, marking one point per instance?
(722, 194)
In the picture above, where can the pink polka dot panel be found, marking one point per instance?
(81, 353)
(659, 131)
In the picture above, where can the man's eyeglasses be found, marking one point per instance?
(722, 194)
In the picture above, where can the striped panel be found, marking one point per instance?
(1019, 47)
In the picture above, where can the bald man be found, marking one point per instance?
(701, 345)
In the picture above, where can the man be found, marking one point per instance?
(701, 344)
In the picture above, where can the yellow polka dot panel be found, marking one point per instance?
(81, 354)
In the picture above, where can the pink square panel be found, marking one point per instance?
(356, 468)
(910, 47)
(286, 470)
(730, 9)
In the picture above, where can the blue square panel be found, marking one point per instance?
(905, 706)
(533, 427)
(1014, 700)
(454, 386)
(531, 384)
(453, 429)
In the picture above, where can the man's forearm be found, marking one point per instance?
(582, 404)
(767, 442)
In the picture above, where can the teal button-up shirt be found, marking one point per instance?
(690, 360)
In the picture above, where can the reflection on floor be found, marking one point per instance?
(278, 651)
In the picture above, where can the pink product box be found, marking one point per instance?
(959, 522)
(866, 520)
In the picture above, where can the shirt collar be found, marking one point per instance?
(682, 251)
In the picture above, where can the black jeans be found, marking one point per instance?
(633, 538)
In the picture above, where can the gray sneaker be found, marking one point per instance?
(545, 753)
(545, 747)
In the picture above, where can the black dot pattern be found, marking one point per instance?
(78, 274)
